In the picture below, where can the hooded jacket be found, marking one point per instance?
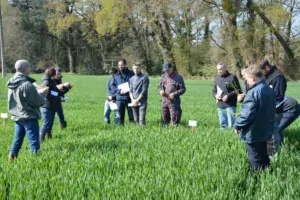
(23, 99)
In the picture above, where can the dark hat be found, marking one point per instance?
(263, 63)
(166, 66)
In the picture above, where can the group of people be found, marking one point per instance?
(264, 114)
(265, 111)
(25, 98)
(170, 87)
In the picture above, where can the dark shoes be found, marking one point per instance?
(63, 125)
(12, 157)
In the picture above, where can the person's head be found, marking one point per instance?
(265, 66)
(137, 68)
(168, 68)
(51, 72)
(253, 74)
(22, 66)
(243, 69)
(122, 64)
(58, 73)
(222, 68)
(113, 71)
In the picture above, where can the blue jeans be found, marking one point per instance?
(107, 112)
(48, 119)
(226, 116)
(29, 128)
(60, 114)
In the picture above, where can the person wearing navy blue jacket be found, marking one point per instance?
(276, 80)
(122, 96)
(255, 124)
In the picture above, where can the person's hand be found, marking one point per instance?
(135, 103)
(218, 97)
(162, 93)
(225, 98)
(241, 97)
(60, 86)
(43, 90)
(68, 85)
(171, 96)
(122, 91)
(237, 114)
(236, 132)
(109, 98)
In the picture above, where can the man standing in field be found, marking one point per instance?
(171, 87)
(226, 89)
(110, 98)
(255, 122)
(276, 80)
(139, 84)
(24, 102)
(122, 96)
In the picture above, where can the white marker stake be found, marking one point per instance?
(193, 124)
(4, 116)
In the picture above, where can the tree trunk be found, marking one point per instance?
(71, 60)
(289, 27)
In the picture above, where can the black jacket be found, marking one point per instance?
(230, 86)
(276, 80)
(52, 100)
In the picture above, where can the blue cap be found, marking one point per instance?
(166, 66)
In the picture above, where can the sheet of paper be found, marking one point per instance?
(54, 93)
(131, 104)
(113, 106)
(192, 123)
(219, 91)
(124, 86)
(66, 98)
(4, 115)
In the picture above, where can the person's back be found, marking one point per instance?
(260, 98)
(23, 99)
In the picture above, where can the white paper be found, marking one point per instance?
(124, 86)
(4, 115)
(113, 106)
(66, 98)
(54, 93)
(192, 123)
(219, 91)
(131, 104)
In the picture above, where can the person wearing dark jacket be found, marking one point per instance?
(53, 100)
(171, 86)
(24, 102)
(122, 95)
(255, 122)
(60, 112)
(276, 80)
(225, 91)
(291, 111)
(110, 99)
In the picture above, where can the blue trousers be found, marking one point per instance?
(30, 128)
(227, 117)
(48, 119)
(287, 119)
(258, 156)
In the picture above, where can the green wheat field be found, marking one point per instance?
(90, 160)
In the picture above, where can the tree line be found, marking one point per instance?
(90, 36)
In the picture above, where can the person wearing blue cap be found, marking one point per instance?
(171, 87)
